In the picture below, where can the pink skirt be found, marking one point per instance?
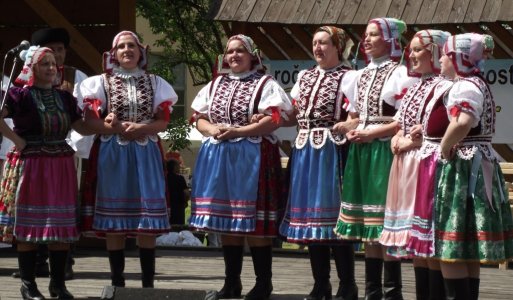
(402, 184)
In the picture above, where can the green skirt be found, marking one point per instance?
(469, 226)
(364, 191)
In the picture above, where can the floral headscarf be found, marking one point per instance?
(468, 52)
(391, 30)
(341, 40)
(249, 44)
(433, 40)
(109, 58)
(32, 56)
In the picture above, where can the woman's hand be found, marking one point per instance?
(360, 136)
(256, 118)
(447, 151)
(131, 131)
(227, 133)
(416, 132)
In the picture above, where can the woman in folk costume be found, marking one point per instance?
(39, 187)
(125, 189)
(236, 187)
(424, 53)
(317, 161)
(472, 217)
(379, 89)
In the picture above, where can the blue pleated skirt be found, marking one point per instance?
(225, 187)
(131, 191)
(314, 194)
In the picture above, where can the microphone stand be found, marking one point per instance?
(4, 94)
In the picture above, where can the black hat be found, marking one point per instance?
(50, 35)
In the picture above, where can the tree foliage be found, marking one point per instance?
(187, 34)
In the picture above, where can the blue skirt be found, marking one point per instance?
(131, 190)
(225, 187)
(314, 194)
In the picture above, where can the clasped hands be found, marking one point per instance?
(128, 130)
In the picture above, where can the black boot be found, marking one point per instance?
(147, 259)
(344, 261)
(117, 267)
(27, 265)
(320, 256)
(457, 289)
(57, 286)
(473, 288)
(436, 285)
(392, 281)
(373, 271)
(70, 261)
(233, 256)
(262, 264)
(421, 280)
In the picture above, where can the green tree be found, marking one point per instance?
(187, 33)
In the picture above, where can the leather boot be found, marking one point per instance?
(344, 261)
(436, 285)
(320, 256)
(27, 265)
(392, 281)
(262, 264)
(473, 288)
(233, 257)
(57, 286)
(421, 278)
(117, 267)
(147, 260)
(457, 289)
(373, 271)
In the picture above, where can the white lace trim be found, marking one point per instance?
(253, 139)
(317, 138)
(123, 142)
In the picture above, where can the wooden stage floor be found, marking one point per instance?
(193, 269)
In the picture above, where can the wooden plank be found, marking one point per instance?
(318, 11)
(259, 11)
(229, 10)
(268, 48)
(381, 9)
(331, 15)
(302, 35)
(273, 12)
(78, 42)
(364, 12)
(474, 11)
(220, 10)
(427, 11)
(504, 37)
(506, 11)
(411, 11)
(458, 11)
(289, 11)
(491, 11)
(127, 15)
(286, 42)
(303, 11)
(396, 9)
(348, 12)
(443, 10)
(244, 10)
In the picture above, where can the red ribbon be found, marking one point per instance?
(166, 108)
(94, 105)
(455, 110)
(401, 95)
(275, 115)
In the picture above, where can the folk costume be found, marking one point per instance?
(379, 89)
(125, 187)
(402, 184)
(471, 198)
(317, 164)
(237, 184)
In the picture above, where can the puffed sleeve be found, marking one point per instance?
(396, 86)
(465, 96)
(79, 77)
(201, 102)
(274, 100)
(91, 94)
(165, 95)
(294, 92)
(353, 96)
(348, 88)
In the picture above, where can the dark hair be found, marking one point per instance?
(172, 164)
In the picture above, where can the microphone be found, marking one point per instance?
(24, 45)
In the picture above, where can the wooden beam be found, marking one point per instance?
(273, 13)
(411, 11)
(396, 8)
(259, 11)
(427, 11)
(364, 11)
(443, 10)
(127, 15)
(286, 42)
(349, 11)
(245, 8)
(87, 52)
(458, 11)
(491, 11)
(381, 9)
(289, 11)
(332, 14)
(474, 11)
(318, 11)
